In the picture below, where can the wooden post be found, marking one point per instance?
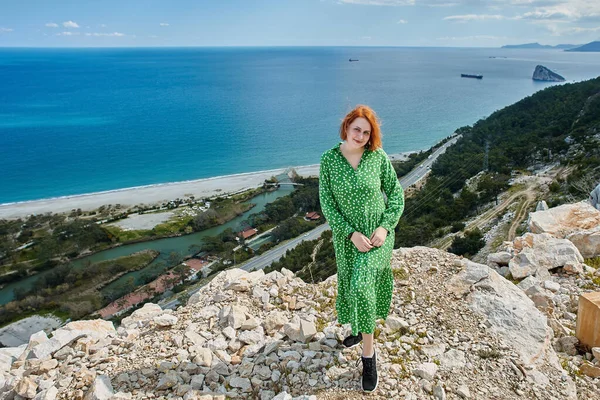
(588, 319)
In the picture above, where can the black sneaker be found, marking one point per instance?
(369, 374)
(352, 341)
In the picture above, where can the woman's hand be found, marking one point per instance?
(378, 237)
(362, 243)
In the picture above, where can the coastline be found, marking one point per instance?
(157, 193)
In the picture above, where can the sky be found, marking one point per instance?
(448, 23)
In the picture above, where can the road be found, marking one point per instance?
(422, 169)
(275, 254)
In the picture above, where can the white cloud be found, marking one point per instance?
(67, 33)
(2, 30)
(403, 21)
(473, 17)
(70, 24)
(102, 25)
(572, 10)
(471, 38)
(51, 25)
(164, 24)
(114, 34)
(556, 30)
(366, 38)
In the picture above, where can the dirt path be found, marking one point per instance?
(520, 215)
(487, 216)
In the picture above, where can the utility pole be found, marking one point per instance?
(486, 157)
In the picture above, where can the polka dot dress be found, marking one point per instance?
(352, 200)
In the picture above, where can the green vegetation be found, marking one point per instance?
(74, 292)
(544, 128)
(468, 245)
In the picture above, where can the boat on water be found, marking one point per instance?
(471, 76)
(352, 60)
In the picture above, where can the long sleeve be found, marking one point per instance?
(395, 195)
(340, 227)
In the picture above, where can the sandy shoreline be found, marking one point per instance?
(153, 194)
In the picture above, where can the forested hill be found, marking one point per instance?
(558, 124)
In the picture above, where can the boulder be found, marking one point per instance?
(509, 312)
(539, 253)
(142, 316)
(578, 222)
(500, 258)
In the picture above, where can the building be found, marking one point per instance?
(248, 233)
(312, 216)
(195, 265)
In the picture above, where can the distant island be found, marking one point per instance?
(542, 73)
(592, 46)
(540, 46)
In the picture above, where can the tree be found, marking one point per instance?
(468, 245)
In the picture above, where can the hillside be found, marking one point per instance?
(457, 329)
(592, 46)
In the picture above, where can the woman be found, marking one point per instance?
(352, 176)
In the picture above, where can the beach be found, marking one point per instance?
(155, 194)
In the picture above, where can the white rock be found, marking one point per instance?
(453, 358)
(274, 321)
(395, 324)
(500, 258)
(307, 330)
(48, 394)
(463, 391)
(237, 316)
(242, 383)
(426, 371)
(438, 392)
(283, 396)
(203, 357)
(249, 324)
(26, 388)
(142, 316)
(552, 286)
(165, 320)
(101, 389)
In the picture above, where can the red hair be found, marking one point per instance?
(366, 112)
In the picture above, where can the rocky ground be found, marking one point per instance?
(456, 330)
(250, 335)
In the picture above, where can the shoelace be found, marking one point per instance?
(367, 364)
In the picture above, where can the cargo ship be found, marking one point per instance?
(352, 60)
(471, 76)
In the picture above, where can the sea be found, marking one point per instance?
(75, 121)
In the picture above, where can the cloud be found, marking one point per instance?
(114, 34)
(51, 25)
(70, 24)
(102, 25)
(473, 17)
(402, 21)
(472, 38)
(2, 30)
(556, 30)
(164, 24)
(366, 38)
(67, 33)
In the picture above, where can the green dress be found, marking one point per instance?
(352, 200)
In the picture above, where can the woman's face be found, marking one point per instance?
(358, 133)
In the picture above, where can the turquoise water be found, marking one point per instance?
(183, 245)
(75, 121)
